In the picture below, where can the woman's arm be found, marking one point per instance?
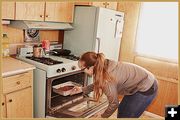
(85, 90)
(110, 90)
(88, 89)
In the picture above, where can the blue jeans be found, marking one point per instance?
(132, 106)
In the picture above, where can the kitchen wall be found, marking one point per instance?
(16, 36)
(165, 72)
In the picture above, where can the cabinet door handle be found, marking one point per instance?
(47, 15)
(3, 104)
(41, 16)
(105, 4)
(18, 82)
(10, 100)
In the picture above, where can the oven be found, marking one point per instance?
(71, 106)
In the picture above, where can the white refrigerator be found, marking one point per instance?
(95, 29)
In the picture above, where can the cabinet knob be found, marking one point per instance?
(47, 15)
(18, 82)
(41, 16)
(10, 100)
(3, 104)
(105, 4)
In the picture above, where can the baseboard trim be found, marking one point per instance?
(152, 115)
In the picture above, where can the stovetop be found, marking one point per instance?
(70, 57)
(52, 65)
(45, 60)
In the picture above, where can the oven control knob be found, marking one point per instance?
(58, 70)
(73, 67)
(63, 69)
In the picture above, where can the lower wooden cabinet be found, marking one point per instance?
(3, 106)
(19, 104)
(17, 100)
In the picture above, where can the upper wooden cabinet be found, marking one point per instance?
(83, 3)
(8, 10)
(41, 11)
(59, 11)
(30, 11)
(110, 5)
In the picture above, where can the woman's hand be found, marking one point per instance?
(76, 90)
(98, 115)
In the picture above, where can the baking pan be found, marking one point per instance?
(66, 88)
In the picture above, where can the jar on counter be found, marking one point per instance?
(46, 46)
(5, 45)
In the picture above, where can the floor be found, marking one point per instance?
(114, 115)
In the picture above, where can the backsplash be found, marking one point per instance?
(16, 36)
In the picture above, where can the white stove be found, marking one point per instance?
(56, 65)
(48, 67)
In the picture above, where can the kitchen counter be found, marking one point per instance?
(12, 66)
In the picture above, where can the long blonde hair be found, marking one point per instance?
(100, 74)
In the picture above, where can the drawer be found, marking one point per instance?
(17, 82)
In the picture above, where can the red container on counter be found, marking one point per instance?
(46, 45)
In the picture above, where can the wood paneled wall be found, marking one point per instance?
(131, 10)
(167, 95)
(166, 72)
(167, 75)
(159, 68)
(17, 35)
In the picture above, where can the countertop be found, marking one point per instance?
(12, 66)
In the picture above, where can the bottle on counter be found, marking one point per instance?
(5, 45)
(46, 46)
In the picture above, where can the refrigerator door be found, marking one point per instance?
(109, 32)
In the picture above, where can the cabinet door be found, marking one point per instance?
(59, 11)
(98, 4)
(112, 5)
(83, 3)
(8, 10)
(30, 11)
(19, 104)
(3, 105)
(109, 5)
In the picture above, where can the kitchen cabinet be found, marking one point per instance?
(83, 3)
(45, 11)
(59, 11)
(3, 106)
(17, 96)
(30, 11)
(19, 104)
(8, 10)
(17, 82)
(110, 5)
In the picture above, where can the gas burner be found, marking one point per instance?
(44, 60)
(71, 57)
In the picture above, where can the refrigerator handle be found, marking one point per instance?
(99, 42)
(115, 32)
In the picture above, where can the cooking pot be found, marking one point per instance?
(37, 51)
(61, 52)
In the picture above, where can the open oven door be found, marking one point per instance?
(84, 108)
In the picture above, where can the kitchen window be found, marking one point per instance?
(157, 32)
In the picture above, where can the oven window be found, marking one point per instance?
(60, 100)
